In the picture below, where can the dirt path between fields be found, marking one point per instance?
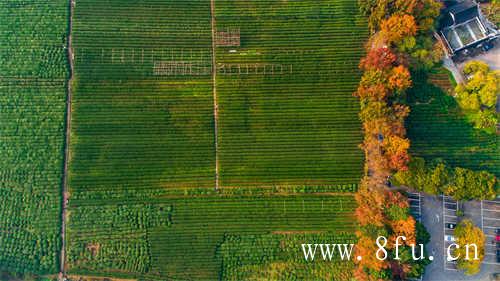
(65, 193)
(214, 91)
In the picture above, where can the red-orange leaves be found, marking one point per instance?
(397, 28)
(380, 59)
(396, 149)
(399, 79)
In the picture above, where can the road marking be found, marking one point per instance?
(482, 218)
(489, 201)
(444, 242)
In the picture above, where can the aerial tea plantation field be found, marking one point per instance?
(287, 114)
(142, 108)
(143, 160)
(190, 238)
(33, 73)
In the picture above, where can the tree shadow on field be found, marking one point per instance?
(437, 129)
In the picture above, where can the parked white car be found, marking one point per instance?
(449, 238)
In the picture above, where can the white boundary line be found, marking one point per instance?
(489, 201)
(482, 218)
(445, 216)
(489, 250)
(420, 211)
(491, 210)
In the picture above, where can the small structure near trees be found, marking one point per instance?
(254, 68)
(180, 68)
(463, 27)
(228, 38)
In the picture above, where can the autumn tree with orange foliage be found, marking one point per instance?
(397, 28)
(397, 25)
(407, 27)
(396, 149)
(379, 58)
(425, 12)
(405, 227)
(369, 267)
(399, 79)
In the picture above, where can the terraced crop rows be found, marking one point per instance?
(136, 239)
(142, 141)
(141, 122)
(437, 129)
(287, 115)
(142, 125)
(32, 109)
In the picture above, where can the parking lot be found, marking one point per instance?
(415, 200)
(450, 208)
(436, 213)
(490, 213)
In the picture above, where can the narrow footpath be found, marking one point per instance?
(65, 193)
(214, 91)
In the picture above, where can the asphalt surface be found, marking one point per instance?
(434, 214)
(492, 57)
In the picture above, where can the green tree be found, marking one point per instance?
(436, 179)
(469, 185)
(478, 95)
(462, 184)
(467, 234)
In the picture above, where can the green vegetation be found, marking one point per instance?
(438, 130)
(477, 97)
(442, 78)
(115, 236)
(467, 234)
(142, 167)
(140, 124)
(400, 41)
(295, 121)
(492, 10)
(277, 258)
(125, 239)
(32, 96)
(438, 178)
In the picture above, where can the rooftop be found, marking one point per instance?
(458, 12)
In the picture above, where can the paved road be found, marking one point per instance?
(433, 218)
(492, 57)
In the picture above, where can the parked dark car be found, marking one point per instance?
(451, 225)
